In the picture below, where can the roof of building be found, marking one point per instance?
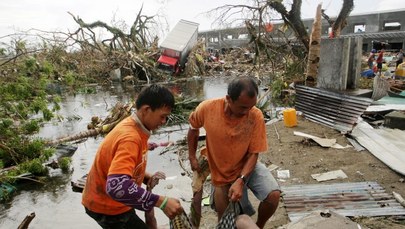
(377, 35)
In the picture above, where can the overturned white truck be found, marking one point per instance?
(177, 45)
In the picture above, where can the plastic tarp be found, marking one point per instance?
(167, 60)
(368, 73)
(400, 71)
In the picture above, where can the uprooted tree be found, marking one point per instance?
(94, 49)
(134, 51)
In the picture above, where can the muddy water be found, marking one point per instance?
(55, 204)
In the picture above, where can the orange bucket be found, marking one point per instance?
(290, 117)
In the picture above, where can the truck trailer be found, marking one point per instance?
(177, 45)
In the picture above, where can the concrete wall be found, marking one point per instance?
(355, 55)
(340, 63)
(332, 65)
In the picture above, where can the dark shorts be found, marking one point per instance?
(125, 220)
(379, 65)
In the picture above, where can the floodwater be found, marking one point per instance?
(54, 202)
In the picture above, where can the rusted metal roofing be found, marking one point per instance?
(338, 111)
(347, 199)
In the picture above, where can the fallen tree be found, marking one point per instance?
(135, 51)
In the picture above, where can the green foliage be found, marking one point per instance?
(47, 153)
(5, 123)
(277, 87)
(7, 157)
(87, 90)
(31, 65)
(70, 78)
(64, 163)
(20, 46)
(56, 107)
(16, 91)
(279, 93)
(33, 148)
(47, 68)
(182, 109)
(35, 167)
(21, 110)
(31, 127)
(25, 91)
(38, 105)
(47, 114)
(10, 176)
(57, 99)
(3, 51)
(56, 54)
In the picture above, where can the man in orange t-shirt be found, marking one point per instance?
(113, 186)
(235, 136)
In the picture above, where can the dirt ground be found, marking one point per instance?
(289, 152)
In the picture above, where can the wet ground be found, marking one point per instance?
(54, 202)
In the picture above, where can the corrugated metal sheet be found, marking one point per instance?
(179, 36)
(347, 199)
(385, 144)
(338, 111)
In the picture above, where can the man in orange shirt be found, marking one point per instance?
(113, 187)
(236, 134)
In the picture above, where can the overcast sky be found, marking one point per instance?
(51, 15)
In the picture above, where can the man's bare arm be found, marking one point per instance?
(192, 141)
(236, 189)
(250, 164)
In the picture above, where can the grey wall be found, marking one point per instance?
(355, 56)
(340, 63)
(332, 65)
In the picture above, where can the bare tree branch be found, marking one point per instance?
(293, 19)
(340, 22)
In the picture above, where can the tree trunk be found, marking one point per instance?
(315, 46)
(341, 22)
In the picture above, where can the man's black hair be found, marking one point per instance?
(155, 96)
(237, 86)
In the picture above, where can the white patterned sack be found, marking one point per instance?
(180, 222)
(228, 219)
